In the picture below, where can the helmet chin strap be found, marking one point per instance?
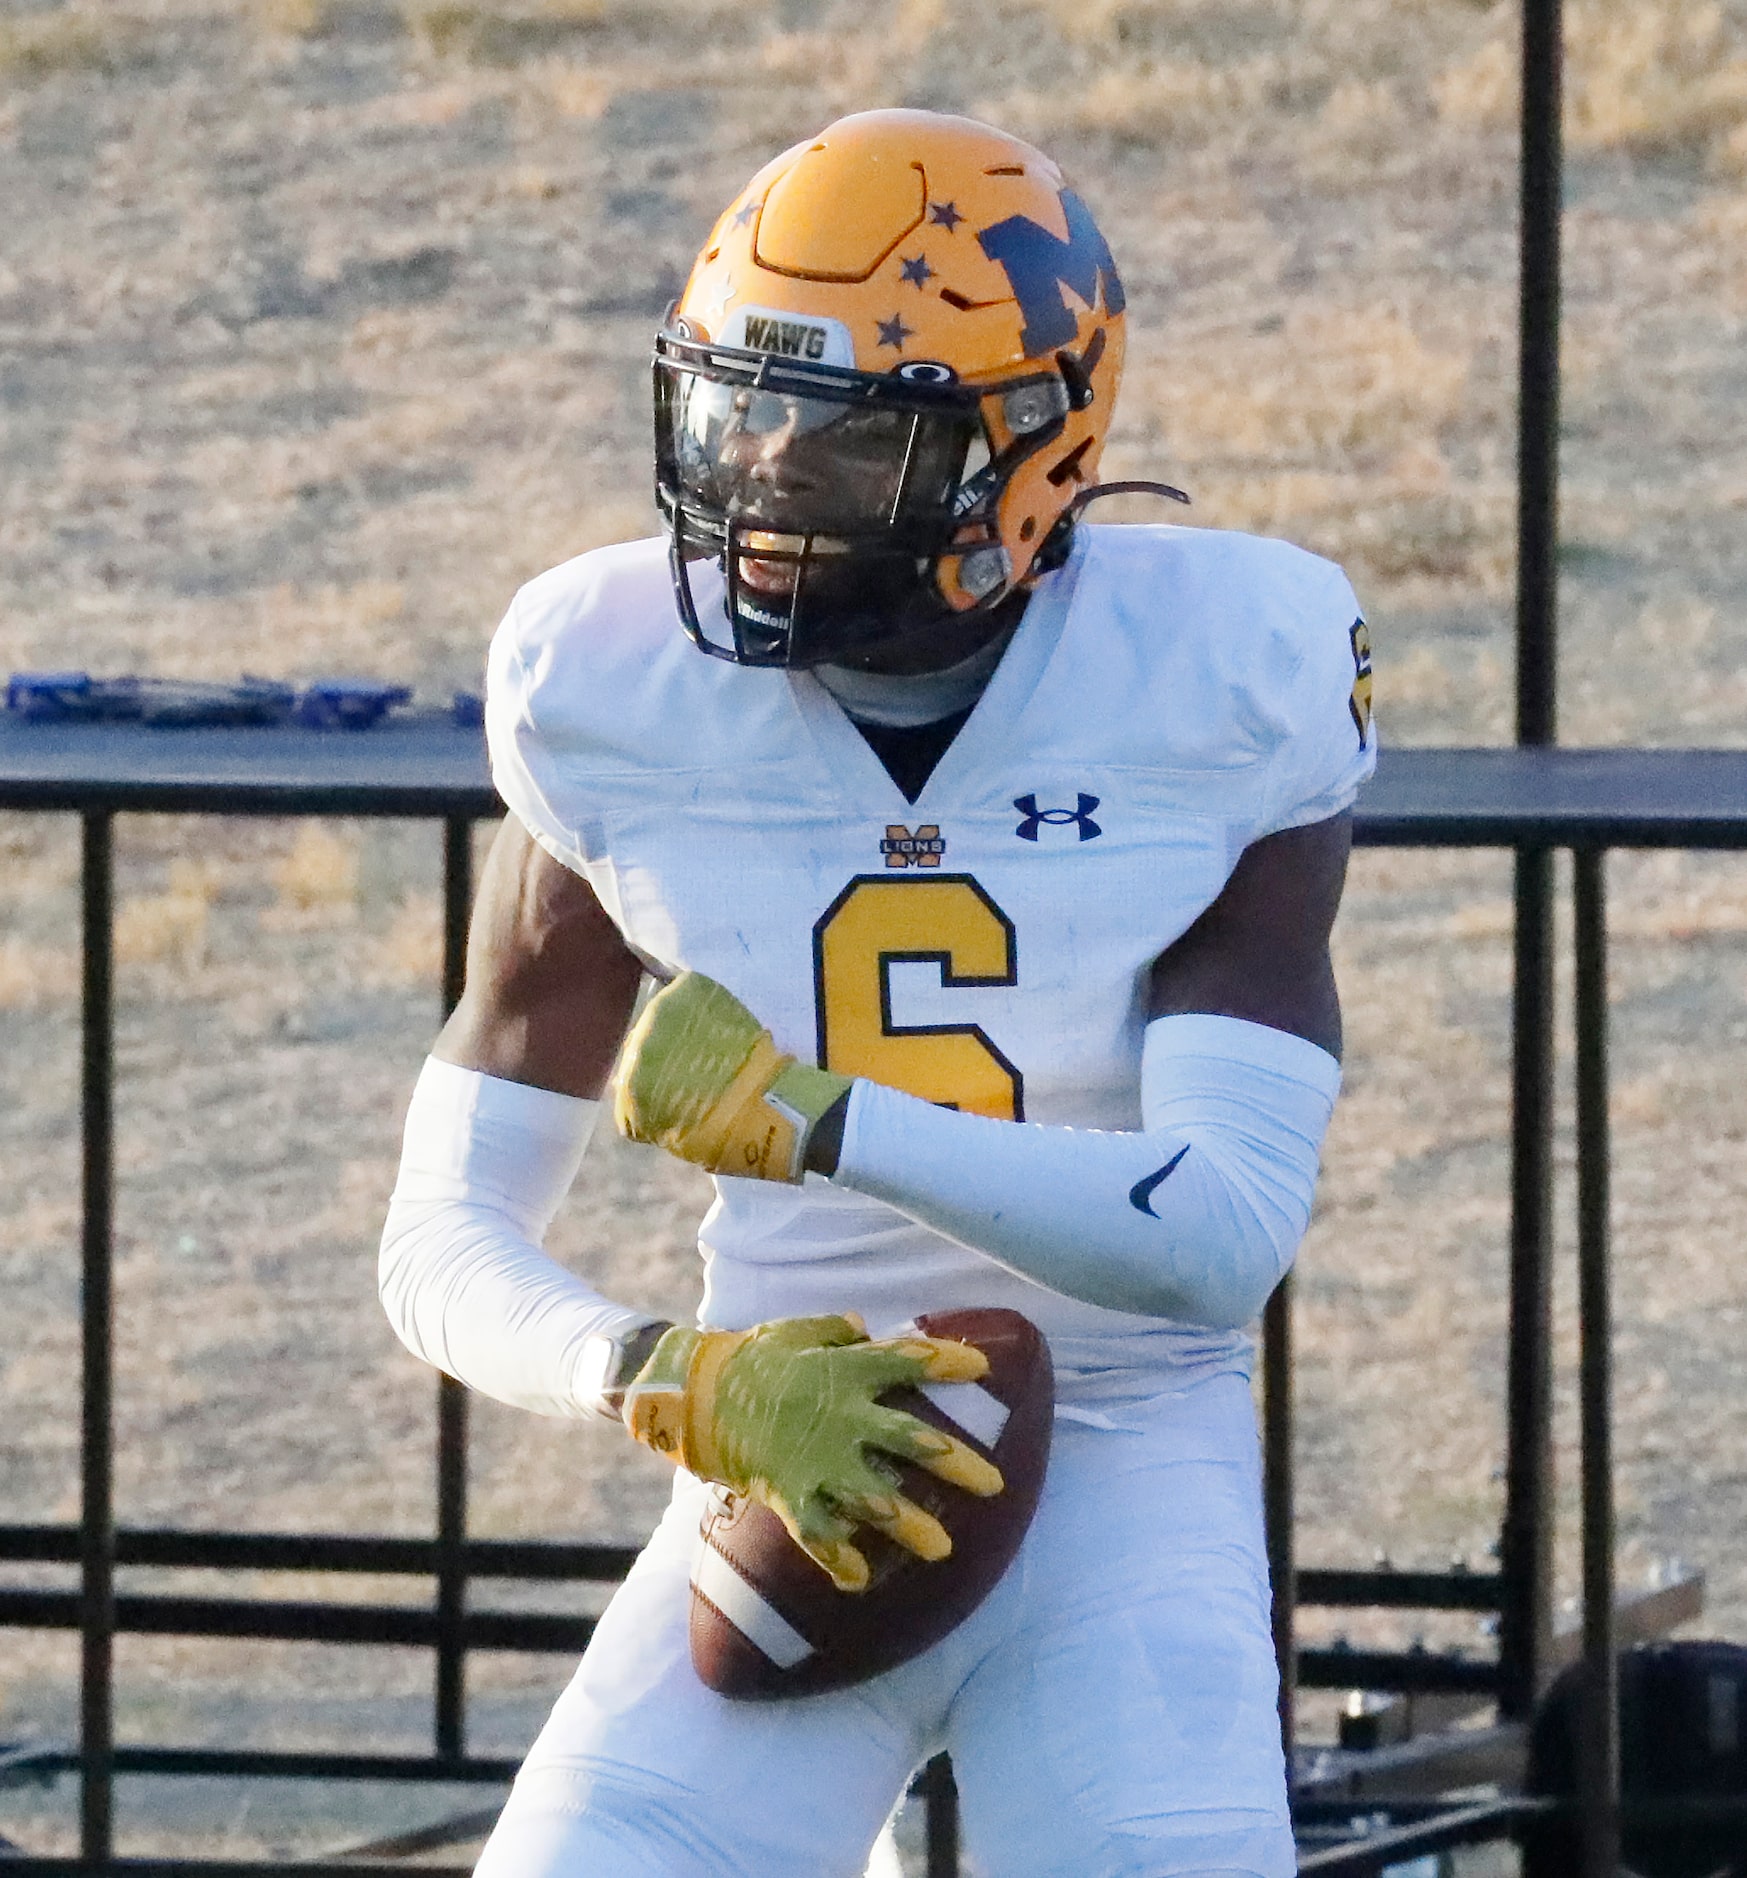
(1129, 487)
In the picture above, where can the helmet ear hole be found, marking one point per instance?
(1035, 405)
(1077, 377)
(1068, 469)
(1028, 528)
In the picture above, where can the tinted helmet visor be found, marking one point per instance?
(826, 495)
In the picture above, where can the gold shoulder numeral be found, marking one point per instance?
(1359, 703)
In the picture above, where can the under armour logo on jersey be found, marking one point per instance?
(1035, 817)
(922, 849)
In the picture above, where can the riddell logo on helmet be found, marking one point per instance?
(764, 329)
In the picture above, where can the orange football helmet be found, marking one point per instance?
(891, 372)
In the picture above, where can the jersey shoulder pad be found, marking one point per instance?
(1247, 653)
(595, 698)
(606, 607)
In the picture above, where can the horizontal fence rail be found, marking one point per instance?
(423, 767)
(329, 1552)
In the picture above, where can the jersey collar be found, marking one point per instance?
(989, 733)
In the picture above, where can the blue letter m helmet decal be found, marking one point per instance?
(1039, 264)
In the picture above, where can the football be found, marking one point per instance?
(767, 1622)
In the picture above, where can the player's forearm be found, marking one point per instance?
(462, 1275)
(1196, 1218)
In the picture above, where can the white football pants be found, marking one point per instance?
(1109, 1708)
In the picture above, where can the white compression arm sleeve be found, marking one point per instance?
(1195, 1218)
(485, 1166)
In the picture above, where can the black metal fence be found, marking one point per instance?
(1532, 799)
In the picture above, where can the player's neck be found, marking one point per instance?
(916, 698)
(903, 700)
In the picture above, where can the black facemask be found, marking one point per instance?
(827, 496)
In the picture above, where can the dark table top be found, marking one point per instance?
(423, 765)
(413, 764)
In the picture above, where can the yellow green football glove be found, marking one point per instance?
(700, 1076)
(788, 1414)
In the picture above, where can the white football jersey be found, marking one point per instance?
(1170, 696)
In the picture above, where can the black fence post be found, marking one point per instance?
(451, 1684)
(940, 1801)
(1525, 1621)
(1526, 1542)
(97, 1432)
(1277, 1502)
(1598, 1761)
(1542, 190)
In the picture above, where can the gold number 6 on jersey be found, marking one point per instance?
(949, 921)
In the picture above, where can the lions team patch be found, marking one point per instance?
(921, 849)
(1359, 703)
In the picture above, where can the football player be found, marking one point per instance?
(991, 859)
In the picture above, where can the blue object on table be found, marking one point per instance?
(59, 697)
(48, 694)
(171, 701)
(347, 703)
(467, 712)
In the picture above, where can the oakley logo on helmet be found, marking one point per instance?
(1035, 817)
(1038, 265)
(925, 372)
(820, 341)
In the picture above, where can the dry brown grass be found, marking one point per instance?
(33, 975)
(1354, 382)
(169, 927)
(578, 94)
(410, 951)
(317, 882)
(295, 19)
(243, 450)
(444, 27)
(1154, 100)
(1718, 255)
(506, 32)
(38, 45)
(1655, 76)
(1327, 427)
(1640, 75)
